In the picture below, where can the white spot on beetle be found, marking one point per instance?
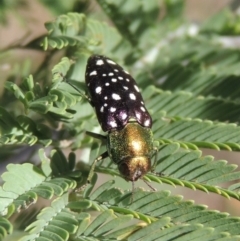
(105, 98)
(114, 80)
(111, 62)
(124, 116)
(125, 87)
(119, 77)
(143, 109)
(111, 74)
(98, 90)
(107, 84)
(101, 110)
(126, 72)
(138, 116)
(116, 70)
(105, 104)
(104, 75)
(112, 109)
(132, 96)
(142, 103)
(136, 88)
(113, 124)
(127, 79)
(93, 73)
(116, 96)
(100, 62)
(147, 123)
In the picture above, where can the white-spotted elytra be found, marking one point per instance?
(121, 112)
(106, 78)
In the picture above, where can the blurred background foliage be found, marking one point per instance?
(188, 49)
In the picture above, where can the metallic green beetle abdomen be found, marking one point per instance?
(131, 149)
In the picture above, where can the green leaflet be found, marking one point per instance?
(60, 222)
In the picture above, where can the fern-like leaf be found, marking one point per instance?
(161, 204)
(73, 29)
(180, 167)
(17, 197)
(55, 222)
(196, 132)
(185, 104)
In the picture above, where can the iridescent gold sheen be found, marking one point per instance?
(131, 149)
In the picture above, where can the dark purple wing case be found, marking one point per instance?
(114, 94)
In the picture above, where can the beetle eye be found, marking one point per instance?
(124, 169)
(134, 168)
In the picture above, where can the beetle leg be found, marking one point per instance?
(96, 135)
(155, 154)
(91, 172)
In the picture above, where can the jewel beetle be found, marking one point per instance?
(121, 112)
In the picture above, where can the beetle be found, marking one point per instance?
(121, 112)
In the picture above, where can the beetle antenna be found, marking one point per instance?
(154, 189)
(75, 88)
(133, 188)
